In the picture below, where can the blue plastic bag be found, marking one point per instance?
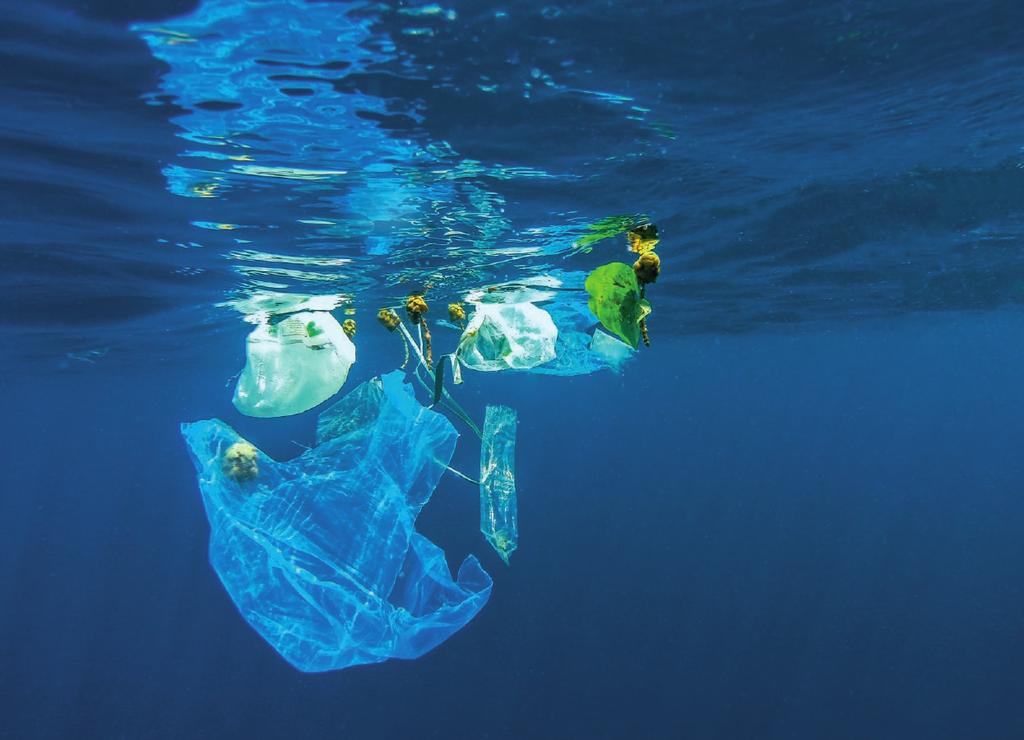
(319, 553)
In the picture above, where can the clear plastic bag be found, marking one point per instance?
(293, 365)
(320, 553)
(508, 336)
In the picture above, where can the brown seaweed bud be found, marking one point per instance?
(647, 268)
(388, 318)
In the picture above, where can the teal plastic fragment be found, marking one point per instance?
(498, 503)
(581, 349)
(320, 553)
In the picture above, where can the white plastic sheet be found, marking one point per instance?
(293, 365)
(508, 336)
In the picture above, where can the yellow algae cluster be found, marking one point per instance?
(456, 312)
(240, 462)
(416, 306)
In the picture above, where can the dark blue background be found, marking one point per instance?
(798, 515)
(805, 535)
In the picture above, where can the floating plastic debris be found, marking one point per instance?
(613, 352)
(581, 348)
(508, 336)
(498, 502)
(319, 553)
(293, 365)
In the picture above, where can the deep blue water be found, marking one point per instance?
(797, 515)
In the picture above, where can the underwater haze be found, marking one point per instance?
(798, 514)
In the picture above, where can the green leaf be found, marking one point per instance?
(615, 301)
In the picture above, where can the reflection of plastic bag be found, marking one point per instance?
(498, 502)
(503, 336)
(320, 553)
(293, 365)
(535, 289)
